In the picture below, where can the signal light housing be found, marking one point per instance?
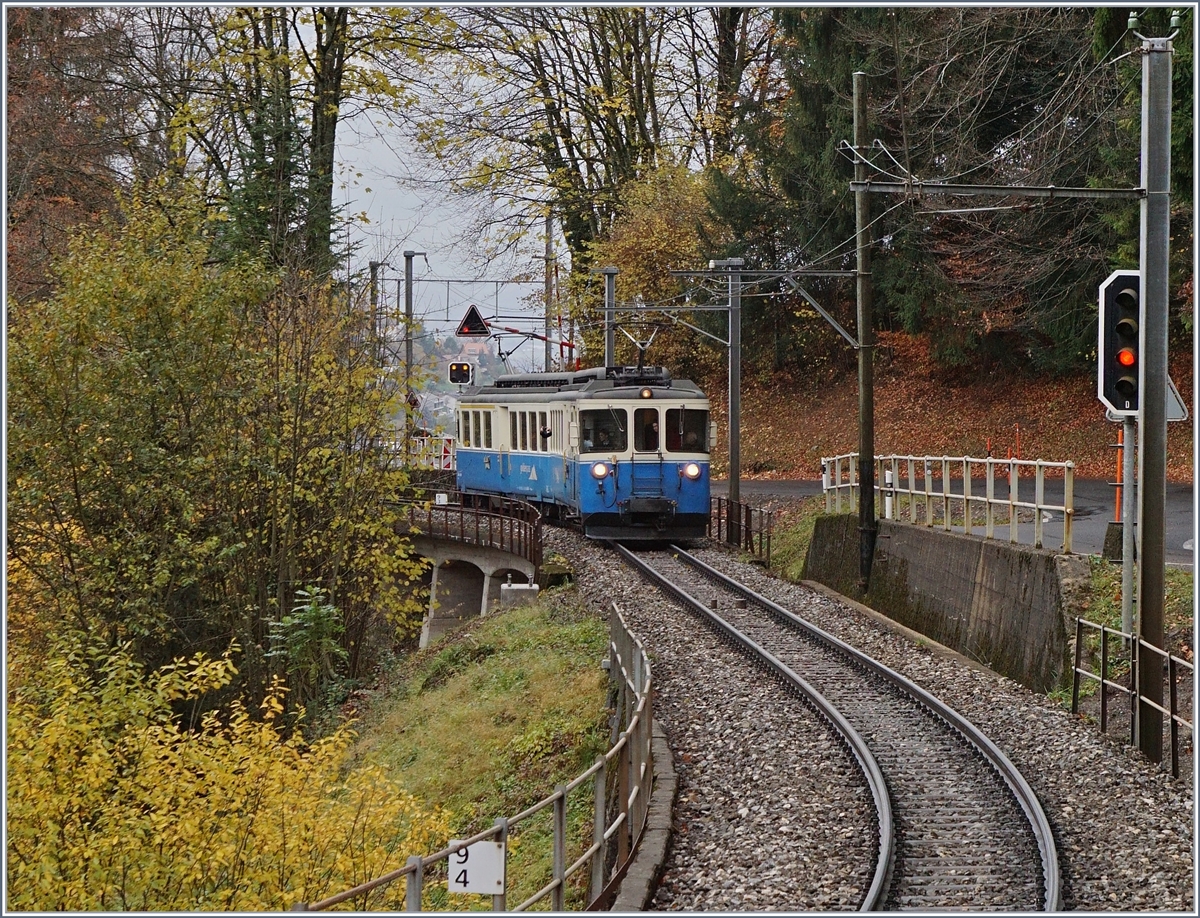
(1118, 376)
(460, 373)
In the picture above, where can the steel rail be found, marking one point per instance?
(877, 893)
(1018, 786)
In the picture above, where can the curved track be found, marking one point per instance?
(959, 828)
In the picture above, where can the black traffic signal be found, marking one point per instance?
(1119, 351)
(460, 373)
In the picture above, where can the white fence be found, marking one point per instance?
(928, 490)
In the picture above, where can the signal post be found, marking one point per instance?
(1152, 382)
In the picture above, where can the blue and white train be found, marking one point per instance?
(623, 451)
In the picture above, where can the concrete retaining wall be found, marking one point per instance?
(1003, 605)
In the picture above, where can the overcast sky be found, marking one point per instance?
(401, 219)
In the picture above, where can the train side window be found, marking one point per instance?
(687, 430)
(464, 428)
(487, 430)
(475, 429)
(544, 433)
(523, 426)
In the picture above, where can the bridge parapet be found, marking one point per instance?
(511, 526)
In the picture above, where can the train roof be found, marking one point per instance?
(595, 380)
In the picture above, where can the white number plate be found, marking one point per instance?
(478, 868)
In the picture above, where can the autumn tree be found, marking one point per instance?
(251, 99)
(193, 441)
(116, 802)
(540, 110)
(986, 96)
(63, 149)
(664, 224)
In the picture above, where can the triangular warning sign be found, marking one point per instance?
(472, 325)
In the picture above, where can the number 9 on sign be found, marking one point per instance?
(477, 868)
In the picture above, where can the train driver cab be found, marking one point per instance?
(687, 430)
(604, 430)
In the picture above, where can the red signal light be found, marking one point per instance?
(1126, 357)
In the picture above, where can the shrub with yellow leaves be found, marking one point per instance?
(114, 804)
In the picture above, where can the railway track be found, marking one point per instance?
(957, 826)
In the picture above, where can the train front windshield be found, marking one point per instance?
(687, 430)
(604, 431)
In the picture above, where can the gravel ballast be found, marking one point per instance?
(771, 815)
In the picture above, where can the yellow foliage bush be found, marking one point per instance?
(113, 804)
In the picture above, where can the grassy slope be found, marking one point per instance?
(489, 720)
(786, 431)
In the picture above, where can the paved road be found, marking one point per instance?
(1093, 510)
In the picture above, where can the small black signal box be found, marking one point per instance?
(1118, 376)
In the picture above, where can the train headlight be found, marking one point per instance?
(647, 393)
(691, 471)
(600, 470)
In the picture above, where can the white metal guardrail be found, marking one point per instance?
(628, 761)
(924, 489)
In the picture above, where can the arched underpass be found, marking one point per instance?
(464, 581)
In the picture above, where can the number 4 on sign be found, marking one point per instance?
(477, 868)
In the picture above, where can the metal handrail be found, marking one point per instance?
(750, 528)
(1132, 691)
(840, 474)
(515, 528)
(629, 665)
